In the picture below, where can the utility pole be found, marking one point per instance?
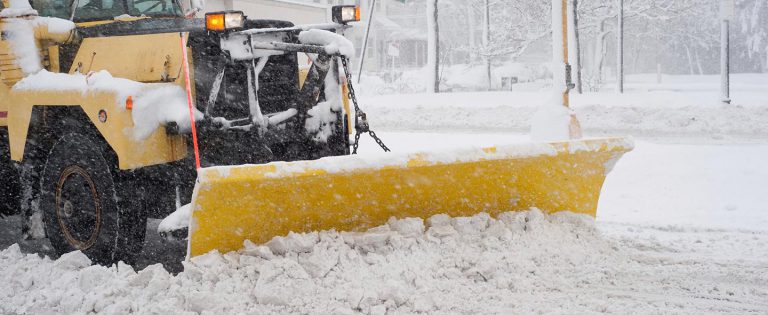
(726, 14)
(620, 48)
(365, 40)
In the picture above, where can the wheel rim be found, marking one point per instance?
(78, 208)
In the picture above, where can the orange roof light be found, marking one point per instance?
(344, 14)
(214, 22)
(357, 13)
(224, 21)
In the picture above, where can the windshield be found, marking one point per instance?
(153, 8)
(95, 10)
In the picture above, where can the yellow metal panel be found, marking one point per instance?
(53, 56)
(10, 72)
(8, 66)
(258, 202)
(158, 148)
(140, 57)
(117, 19)
(4, 98)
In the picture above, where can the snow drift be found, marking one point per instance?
(521, 262)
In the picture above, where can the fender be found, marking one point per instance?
(113, 122)
(4, 98)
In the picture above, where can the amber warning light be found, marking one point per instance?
(344, 14)
(224, 21)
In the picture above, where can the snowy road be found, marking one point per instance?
(681, 228)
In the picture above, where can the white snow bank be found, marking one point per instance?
(552, 121)
(520, 262)
(652, 113)
(333, 43)
(154, 104)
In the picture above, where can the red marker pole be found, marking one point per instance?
(185, 64)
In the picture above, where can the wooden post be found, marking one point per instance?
(566, 98)
(574, 127)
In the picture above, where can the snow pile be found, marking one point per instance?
(322, 117)
(651, 113)
(18, 8)
(21, 34)
(552, 121)
(333, 43)
(522, 262)
(463, 77)
(155, 107)
(177, 220)
(21, 22)
(153, 104)
(451, 264)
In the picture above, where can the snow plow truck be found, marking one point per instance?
(112, 112)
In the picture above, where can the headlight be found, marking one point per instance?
(344, 14)
(224, 21)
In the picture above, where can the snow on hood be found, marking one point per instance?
(154, 104)
(18, 8)
(21, 35)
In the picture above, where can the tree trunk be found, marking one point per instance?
(576, 46)
(690, 60)
(763, 60)
(472, 55)
(698, 62)
(599, 54)
(433, 49)
(620, 47)
(487, 40)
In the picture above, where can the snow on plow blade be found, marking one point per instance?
(353, 193)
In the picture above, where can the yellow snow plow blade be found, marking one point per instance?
(352, 193)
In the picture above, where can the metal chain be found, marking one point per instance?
(361, 121)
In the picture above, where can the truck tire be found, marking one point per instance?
(9, 180)
(80, 200)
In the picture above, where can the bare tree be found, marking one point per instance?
(433, 43)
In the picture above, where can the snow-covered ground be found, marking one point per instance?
(682, 227)
(681, 107)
